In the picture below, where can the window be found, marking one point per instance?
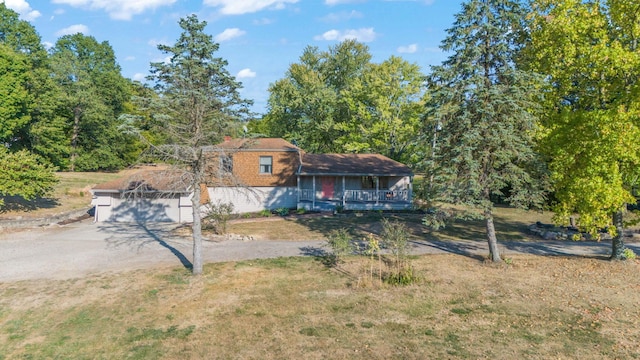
(266, 163)
(226, 163)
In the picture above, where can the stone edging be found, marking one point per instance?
(44, 221)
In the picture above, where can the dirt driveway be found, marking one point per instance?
(82, 248)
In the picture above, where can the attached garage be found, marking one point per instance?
(146, 196)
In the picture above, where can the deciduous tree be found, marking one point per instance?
(22, 174)
(588, 52)
(484, 109)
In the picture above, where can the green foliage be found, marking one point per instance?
(16, 101)
(395, 237)
(628, 254)
(338, 101)
(93, 93)
(217, 217)
(282, 211)
(22, 174)
(588, 52)
(265, 213)
(340, 243)
(482, 115)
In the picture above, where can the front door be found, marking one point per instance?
(328, 185)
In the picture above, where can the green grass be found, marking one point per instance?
(539, 307)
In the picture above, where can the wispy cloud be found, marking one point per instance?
(342, 16)
(246, 73)
(229, 34)
(363, 35)
(73, 29)
(237, 7)
(23, 8)
(409, 49)
(338, 2)
(118, 9)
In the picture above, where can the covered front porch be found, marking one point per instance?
(328, 193)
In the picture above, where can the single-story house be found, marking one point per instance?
(264, 173)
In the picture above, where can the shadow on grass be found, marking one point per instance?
(18, 203)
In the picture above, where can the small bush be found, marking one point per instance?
(395, 237)
(628, 254)
(217, 217)
(301, 211)
(340, 243)
(265, 213)
(282, 211)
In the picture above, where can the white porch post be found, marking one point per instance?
(313, 203)
(298, 193)
(344, 192)
(377, 189)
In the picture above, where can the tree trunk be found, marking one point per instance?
(74, 137)
(617, 243)
(196, 229)
(491, 237)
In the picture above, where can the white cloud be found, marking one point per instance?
(47, 44)
(363, 35)
(263, 21)
(229, 34)
(118, 9)
(338, 2)
(409, 49)
(342, 16)
(238, 7)
(73, 29)
(129, 58)
(23, 8)
(246, 73)
(139, 77)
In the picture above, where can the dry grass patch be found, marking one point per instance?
(538, 307)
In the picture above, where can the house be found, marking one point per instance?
(258, 174)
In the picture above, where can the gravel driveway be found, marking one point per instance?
(82, 248)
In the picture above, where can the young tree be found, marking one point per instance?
(588, 51)
(198, 101)
(483, 107)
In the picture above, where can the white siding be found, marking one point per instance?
(255, 199)
(136, 209)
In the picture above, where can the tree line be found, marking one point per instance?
(536, 105)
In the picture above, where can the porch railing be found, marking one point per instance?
(362, 195)
(373, 195)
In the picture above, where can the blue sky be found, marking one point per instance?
(259, 38)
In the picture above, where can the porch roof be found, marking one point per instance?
(351, 165)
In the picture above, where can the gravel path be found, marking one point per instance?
(83, 248)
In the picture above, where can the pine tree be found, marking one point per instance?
(482, 111)
(198, 101)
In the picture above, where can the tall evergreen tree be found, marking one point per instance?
(482, 108)
(588, 52)
(198, 101)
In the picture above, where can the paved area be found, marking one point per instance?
(82, 248)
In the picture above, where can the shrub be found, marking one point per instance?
(340, 243)
(282, 211)
(395, 238)
(265, 213)
(628, 254)
(217, 217)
